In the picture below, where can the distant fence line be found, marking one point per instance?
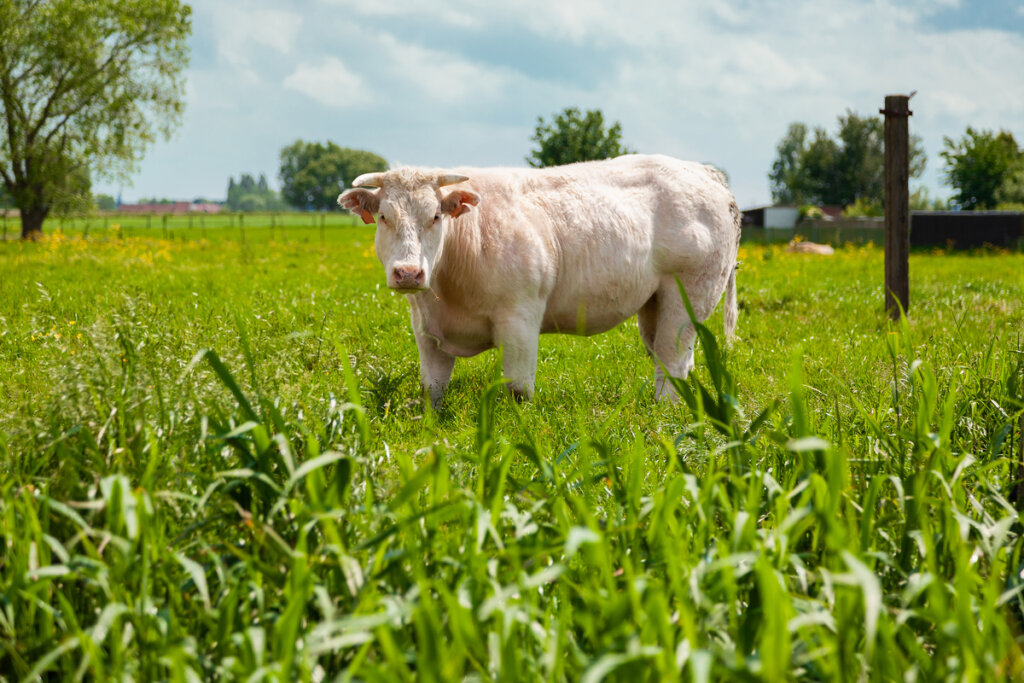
(946, 229)
(168, 225)
(835, 232)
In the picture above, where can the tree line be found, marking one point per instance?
(984, 169)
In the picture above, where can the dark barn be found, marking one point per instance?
(966, 229)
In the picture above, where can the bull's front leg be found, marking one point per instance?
(435, 367)
(435, 364)
(518, 335)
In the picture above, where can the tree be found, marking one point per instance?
(313, 174)
(85, 85)
(572, 136)
(104, 202)
(1010, 194)
(249, 194)
(977, 166)
(846, 170)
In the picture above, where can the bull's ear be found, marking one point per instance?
(362, 202)
(457, 202)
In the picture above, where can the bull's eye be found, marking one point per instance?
(437, 217)
(383, 219)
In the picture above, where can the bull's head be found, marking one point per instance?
(412, 210)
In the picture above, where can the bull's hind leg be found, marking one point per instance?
(674, 336)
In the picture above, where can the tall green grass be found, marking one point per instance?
(231, 475)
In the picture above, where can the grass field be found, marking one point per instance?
(216, 464)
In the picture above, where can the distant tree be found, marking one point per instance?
(249, 194)
(1011, 191)
(104, 202)
(921, 200)
(573, 136)
(85, 85)
(977, 166)
(313, 174)
(788, 177)
(846, 170)
(252, 202)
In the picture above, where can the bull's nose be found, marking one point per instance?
(408, 276)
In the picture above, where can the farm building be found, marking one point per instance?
(778, 217)
(967, 229)
(176, 208)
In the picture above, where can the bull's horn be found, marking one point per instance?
(450, 179)
(368, 180)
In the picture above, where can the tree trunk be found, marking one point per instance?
(32, 222)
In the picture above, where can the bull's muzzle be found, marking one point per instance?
(407, 277)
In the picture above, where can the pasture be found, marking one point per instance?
(216, 464)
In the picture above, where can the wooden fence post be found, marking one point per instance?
(897, 204)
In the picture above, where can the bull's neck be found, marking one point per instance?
(461, 254)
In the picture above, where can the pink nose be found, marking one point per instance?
(408, 276)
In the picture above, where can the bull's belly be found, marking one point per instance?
(592, 315)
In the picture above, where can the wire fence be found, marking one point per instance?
(836, 233)
(244, 227)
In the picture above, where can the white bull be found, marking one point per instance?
(574, 249)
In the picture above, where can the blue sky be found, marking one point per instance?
(429, 82)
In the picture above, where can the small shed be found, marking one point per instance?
(777, 217)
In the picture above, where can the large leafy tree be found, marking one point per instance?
(313, 173)
(85, 86)
(816, 168)
(575, 136)
(978, 164)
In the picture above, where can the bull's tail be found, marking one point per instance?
(731, 309)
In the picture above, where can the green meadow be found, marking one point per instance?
(216, 464)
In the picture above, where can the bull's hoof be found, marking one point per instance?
(519, 395)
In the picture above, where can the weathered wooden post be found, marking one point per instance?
(897, 204)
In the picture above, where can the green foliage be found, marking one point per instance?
(104, 202)
(864, 207)
(573, 136)
(978, 164)
(313, 173)
(1011, 190)
(838, 171)
(250, 194)
(85, 86)
(226, 475)
(921, 200)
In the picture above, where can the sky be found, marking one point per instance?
(462, 82)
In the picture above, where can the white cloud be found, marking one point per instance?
(241, 32)
(437, 11)
(439, 77)
(328, 82)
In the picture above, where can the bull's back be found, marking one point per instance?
(594, 239)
